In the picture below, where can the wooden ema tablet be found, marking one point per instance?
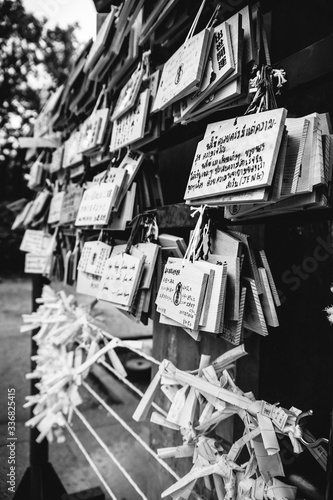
(271, 281)
(71, 147)
(233, 330)
(267, 301)
(237, 155)
(89, 133)
(98, 255)
(214, 302)
(131, 162)
(36, 264)
(35, 241)
(98, 46)
(250, 267)
(128, 94)
(156, 17)
(130, 127)
(57, 157)
(314, 200)
(233, 283)
(70, 204)
(150, 252)
(216, 299)
(96, 204)
(20, 218)
(125, 212)
(304, 181)
(260, 196)
(318, 178)
(224, 243)
(182, 73)
(254, 318)
(218, 99)
(170, 240)
(120, 279)
(181, 293)
(117, 177)
(85, 255)
(55, 207)
(230, 86)
(297, 132)
(195, 334)
(219, 65)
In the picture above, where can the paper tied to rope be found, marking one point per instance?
(263, 86)
(199, 244)
(198, 402)
(250, 488)
(68, 346)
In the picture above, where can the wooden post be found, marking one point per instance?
(40, 481)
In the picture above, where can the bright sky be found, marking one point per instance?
(63, 12)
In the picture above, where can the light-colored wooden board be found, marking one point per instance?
(237, 155)
(267, 301)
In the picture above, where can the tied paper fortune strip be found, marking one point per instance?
(198, 402)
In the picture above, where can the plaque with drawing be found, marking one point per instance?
(182, 292)
(182, 73)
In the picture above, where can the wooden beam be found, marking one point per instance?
(38, 142)
(175, 216)
(309, 64)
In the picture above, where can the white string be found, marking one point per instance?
(131, 386)
(90, 461)
(212, 19)
(195, 233)
(130, 430)
(195, 22)
(108, 451)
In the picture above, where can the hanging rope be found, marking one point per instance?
(130, 430)
(123, 343)
(90, 461)
(131, 386)
(109, 453)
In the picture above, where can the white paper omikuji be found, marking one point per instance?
(198, 402)
(68, 346)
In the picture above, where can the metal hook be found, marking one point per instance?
(309, 444)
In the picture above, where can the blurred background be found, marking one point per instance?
(38, 42)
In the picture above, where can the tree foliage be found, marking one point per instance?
(34, 61)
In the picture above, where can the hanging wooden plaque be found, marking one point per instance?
(96, 205)
(35, 241)
(120, 279)
(237, 155)
(182, 73)
(56, 207)
(182, 292)
(71, 204)
(130, 127)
